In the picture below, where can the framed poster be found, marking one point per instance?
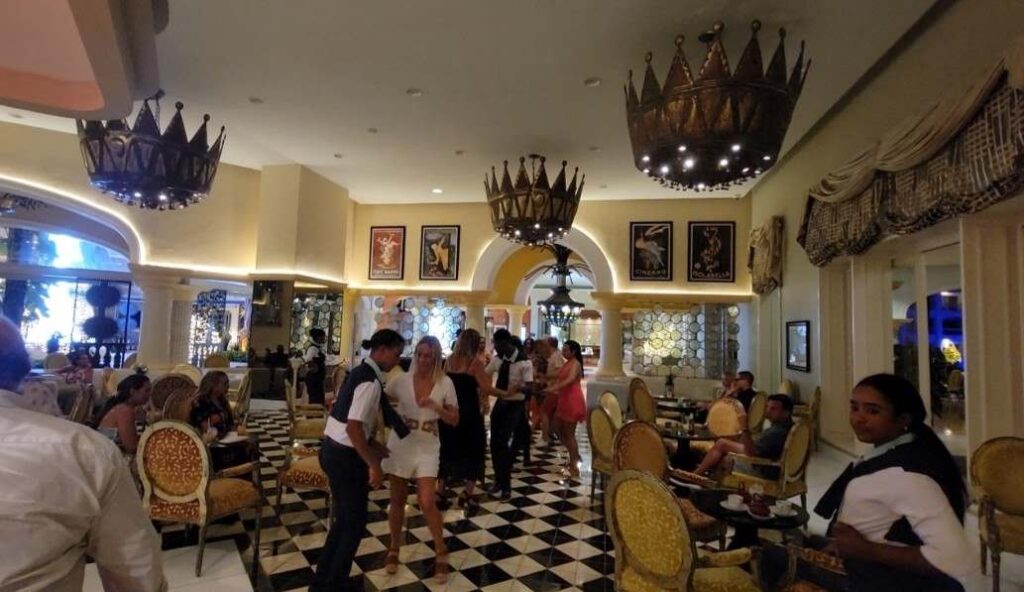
(798, 342)
(387, 252)
(650, 251)
(439, 253)
(712, 256)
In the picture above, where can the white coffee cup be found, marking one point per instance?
(782, 508)
(734, 500)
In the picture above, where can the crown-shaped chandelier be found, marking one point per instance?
(559, 308)
(717, 128)
(140, 166)
(530, 211)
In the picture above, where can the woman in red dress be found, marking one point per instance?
(571, 408)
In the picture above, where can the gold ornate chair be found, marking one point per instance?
(755, 415)
(654, 549)
(166, 385)
(178, 487)
(610, 403)
(808, 413)
(56, 361)
(303, 425)
(786, 387)
(335, 377)
(217, 360)
(178, 406)
(791, 468)
(601, 432)
(81, 411)
(239, 403)
(638, 446)
(302, 471)
(997, 477)
(641, 404)
(723, 421)
(194, 374)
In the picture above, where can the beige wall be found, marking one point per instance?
(606, 222)
(949, 53)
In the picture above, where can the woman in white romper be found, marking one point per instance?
(424, 395)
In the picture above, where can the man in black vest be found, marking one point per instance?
(351, 457)
(515, 374)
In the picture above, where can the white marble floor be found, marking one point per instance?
(222, 570)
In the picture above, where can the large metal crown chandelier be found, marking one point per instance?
(559, 308)
(717, 128)
(140, 166)
(530, 211)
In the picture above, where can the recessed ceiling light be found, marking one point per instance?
(414, 92)
(256, 100)
(437, 190)
(339, 155)
(372, 130)
(459, 152)
(592, 82)
(604, 187)
(17, 115)
(593, 148)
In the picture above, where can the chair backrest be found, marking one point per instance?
(641, 405)
(636, 383)
(638, 446)
(601, 432)
(289, 400)
(179, 405)
(55, 361)
(334, 380)
(174, 467)
(244, 397)
(216, 360)
(167, 384)
(82, 409)
(724, 417)
(195, 374)
(796, 453)
(786, 387)
(997, 468)
(815, 402)
(130, 360)
(755, 415)
(610, 403)
(653, 546)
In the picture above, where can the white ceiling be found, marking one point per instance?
(500, 80)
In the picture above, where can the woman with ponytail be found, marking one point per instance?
(117, 418)
(897, 512)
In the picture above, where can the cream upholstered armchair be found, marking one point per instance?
(654, 549)
(610, 403)
(195, 374)
(791, 468)
(239, 400)
(808, 413)
(167, 385)
(601, 433)
(641, 403)
(180, 487)
(755, 414)
(302, 471)
(303, 424)
(997, 477)
(638, 446)
(178, 406)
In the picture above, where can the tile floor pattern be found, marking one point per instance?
(549, 536)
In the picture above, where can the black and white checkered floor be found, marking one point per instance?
(550, 536)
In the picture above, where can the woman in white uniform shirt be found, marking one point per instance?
(424, 395)
(898, 511)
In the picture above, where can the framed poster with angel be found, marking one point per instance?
(387, 252)
(439, 253)
(712, 256)
(650, 251)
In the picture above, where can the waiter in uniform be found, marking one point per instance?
(351, 457)
(316, 366)
(515, 376)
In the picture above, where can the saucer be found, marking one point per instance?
(756, 517)
(789, 512)
(740, 508)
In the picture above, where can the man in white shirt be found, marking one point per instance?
(67, 492)
(515, 374)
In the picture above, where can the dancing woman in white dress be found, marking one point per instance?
(424, 395)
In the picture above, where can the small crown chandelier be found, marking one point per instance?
(531, 211)
(559, 308)
(720, 127)
(140, 166)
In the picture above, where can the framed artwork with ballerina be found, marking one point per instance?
(650, 251)
(387, 252)
(439, 253)
(712, 252)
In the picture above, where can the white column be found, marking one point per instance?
(871, 311)
(609, 365)
(181, 322)
(515, 318)
(992, 264)
(155, 334)
(475, 317)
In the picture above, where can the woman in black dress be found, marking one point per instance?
(463, 445)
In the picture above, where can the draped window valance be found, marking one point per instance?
(960, 155)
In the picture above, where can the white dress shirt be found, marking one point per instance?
(519, 373)
(67, 492)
